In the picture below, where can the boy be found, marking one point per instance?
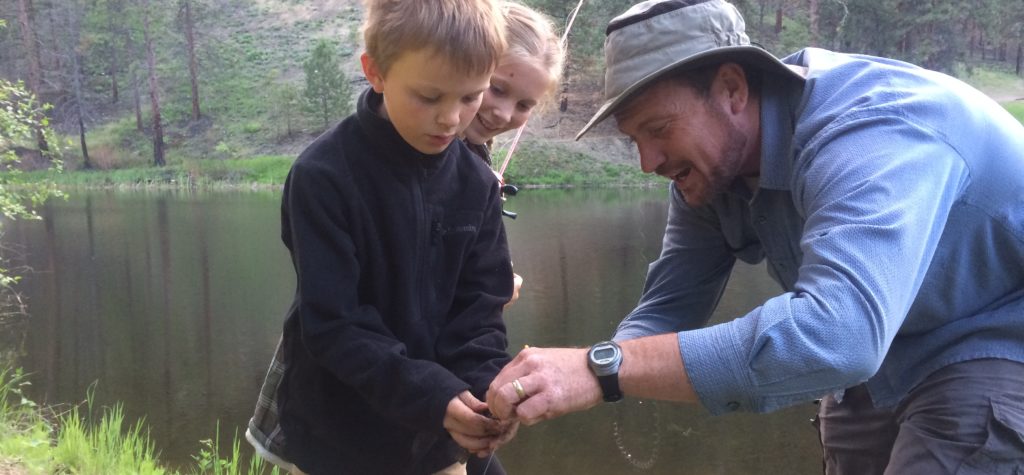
(402, 267)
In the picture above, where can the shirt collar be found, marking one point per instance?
(383, 134)
(780, 101)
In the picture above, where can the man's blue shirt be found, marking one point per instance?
(890, 208)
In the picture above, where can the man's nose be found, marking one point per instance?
(650, 158)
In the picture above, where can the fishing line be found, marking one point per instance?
(634, 459)
(519, 132)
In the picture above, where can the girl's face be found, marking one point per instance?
(517, 85)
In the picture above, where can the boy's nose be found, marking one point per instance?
(448, 117)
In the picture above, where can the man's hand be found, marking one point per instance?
(554, 382)
(469, 427)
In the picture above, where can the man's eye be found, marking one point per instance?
(497, 90)
(659, 130)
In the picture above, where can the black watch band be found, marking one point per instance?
(604, 359)
(610, 387)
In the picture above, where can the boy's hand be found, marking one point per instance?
(517, 283)
(469, 427)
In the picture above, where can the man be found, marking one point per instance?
(888, 202)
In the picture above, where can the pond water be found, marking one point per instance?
(172, 302)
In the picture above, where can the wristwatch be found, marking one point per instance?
(604, 359)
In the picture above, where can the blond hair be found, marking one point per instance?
(531, 37)
(469, 34)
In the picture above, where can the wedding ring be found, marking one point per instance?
(519, 389)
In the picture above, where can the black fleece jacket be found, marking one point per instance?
(402, 269)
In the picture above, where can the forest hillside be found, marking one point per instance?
(135, 83)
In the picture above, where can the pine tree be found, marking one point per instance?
(328, 93)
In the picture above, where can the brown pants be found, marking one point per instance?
(967, 418)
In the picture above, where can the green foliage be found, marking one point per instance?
(21, 118)
(1016, 109)
(91, 443)
(104, 446)
(24, 434)
(535, 164)
(210, 460)
(327, 92)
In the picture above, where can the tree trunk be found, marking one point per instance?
(815, 31)
(138, 101)
(75, 32)
(778, 20)
(971, 39)
(190, 39)
(35, 71)
(86, 163)
(114, 66)
(154, 92)
(1020, 52)
(981, 43)
(133, 76)
(760, 18)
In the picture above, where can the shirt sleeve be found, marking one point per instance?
(683, 286)
(875, 190)
(473, 343)
(347, 338)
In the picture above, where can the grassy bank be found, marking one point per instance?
(1017, 109)
(89, 440)
(534, 165)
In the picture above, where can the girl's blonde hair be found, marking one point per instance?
(531, 36)
(468, 34)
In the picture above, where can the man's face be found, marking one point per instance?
(426, 98)
(686, 138)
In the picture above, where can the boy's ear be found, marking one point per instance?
(372, 73)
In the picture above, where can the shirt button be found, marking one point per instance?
(762, 219)
(732, 405)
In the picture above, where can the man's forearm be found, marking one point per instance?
(652, 368)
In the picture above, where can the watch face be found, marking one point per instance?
(602, 354)
(605, 358)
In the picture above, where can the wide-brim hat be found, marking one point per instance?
(659, 36)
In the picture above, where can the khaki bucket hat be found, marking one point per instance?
(658, 36)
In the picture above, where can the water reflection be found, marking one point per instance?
(173, 303)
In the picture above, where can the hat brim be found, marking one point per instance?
(745, 54)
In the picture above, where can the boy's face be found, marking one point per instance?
(426, 100)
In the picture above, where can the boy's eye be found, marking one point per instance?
(430, 100)
(472, 98)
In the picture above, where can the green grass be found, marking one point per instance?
(995, 83)
(536, 164)
(1016, 109)
(261, 171)
(81, 441)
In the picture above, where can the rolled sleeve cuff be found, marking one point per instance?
(716, 369)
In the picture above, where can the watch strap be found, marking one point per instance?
(610, 387)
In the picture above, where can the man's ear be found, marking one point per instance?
(372, 72)
(731, 85)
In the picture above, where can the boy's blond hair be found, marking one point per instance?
(469, 34)
(531, 37)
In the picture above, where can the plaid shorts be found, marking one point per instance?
(265, 426)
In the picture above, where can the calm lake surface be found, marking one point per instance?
(172, 302)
